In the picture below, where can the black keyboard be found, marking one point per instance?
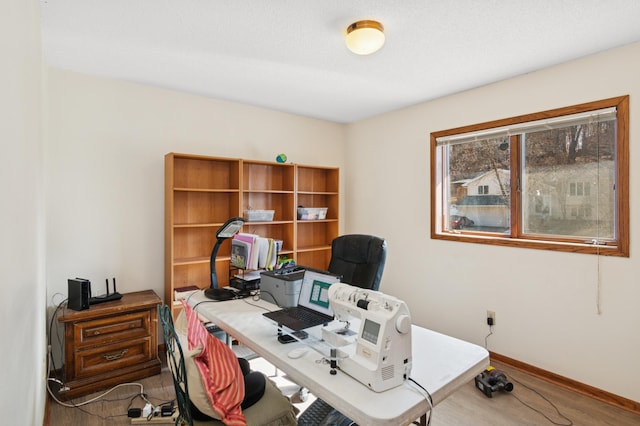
(297, 318)
(303, 315)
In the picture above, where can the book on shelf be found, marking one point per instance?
(267, 253)
(184, 292)
(251, 260)
(240, 253)
(250, 251)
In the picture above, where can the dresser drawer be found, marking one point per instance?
(108, 358)
(110, 343)
(108, 330)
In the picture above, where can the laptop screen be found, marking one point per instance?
(314, 293)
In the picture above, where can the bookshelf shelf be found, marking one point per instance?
(202, 192)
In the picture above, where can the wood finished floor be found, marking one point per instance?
(467, 406)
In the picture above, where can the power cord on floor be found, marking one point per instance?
(570, 422)
(80, 405)
(97, 398)
(150, 410)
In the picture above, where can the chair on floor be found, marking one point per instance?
(360, 260)
(272, 409)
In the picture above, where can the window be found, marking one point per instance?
(554, 180)
(580, 188)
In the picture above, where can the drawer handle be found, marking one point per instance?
(97, 332)
(114, 356)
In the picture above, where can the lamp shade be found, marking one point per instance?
(365, 37)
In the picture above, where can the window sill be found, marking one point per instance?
(562, 246)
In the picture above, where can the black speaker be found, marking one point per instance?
(79, 292)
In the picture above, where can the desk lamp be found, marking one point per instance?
(227, 230)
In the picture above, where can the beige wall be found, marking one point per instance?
(22, 263)
(545, 302)
(105, 169)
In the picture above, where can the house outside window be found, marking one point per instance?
(555, 180)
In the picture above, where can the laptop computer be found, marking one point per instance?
(313, 303)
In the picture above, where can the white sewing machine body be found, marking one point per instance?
(379, 355)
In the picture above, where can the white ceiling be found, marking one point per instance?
(289, 55)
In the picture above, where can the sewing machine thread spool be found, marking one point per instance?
(363, 304)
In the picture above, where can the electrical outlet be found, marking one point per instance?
(491, 315)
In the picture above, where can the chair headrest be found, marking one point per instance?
(357, 248)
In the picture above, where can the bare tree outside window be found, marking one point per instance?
(580, 157)
(553, 180)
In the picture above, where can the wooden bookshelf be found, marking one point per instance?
(202, 192)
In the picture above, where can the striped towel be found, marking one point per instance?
(219, 369)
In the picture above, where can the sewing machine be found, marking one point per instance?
(379, 354)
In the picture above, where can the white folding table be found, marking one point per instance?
(441, 364)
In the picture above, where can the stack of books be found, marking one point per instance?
(251, 251)
(180, 293)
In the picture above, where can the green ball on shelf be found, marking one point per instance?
(281, 158)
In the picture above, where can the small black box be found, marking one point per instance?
(134, 413)
(79, 292)
(244, 285)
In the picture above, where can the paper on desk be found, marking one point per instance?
(249, 276)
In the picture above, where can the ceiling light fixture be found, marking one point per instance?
(365, 37)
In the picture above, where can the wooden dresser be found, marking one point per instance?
(110, 343)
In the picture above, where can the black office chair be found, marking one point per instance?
(272, 409)
(360, 260)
